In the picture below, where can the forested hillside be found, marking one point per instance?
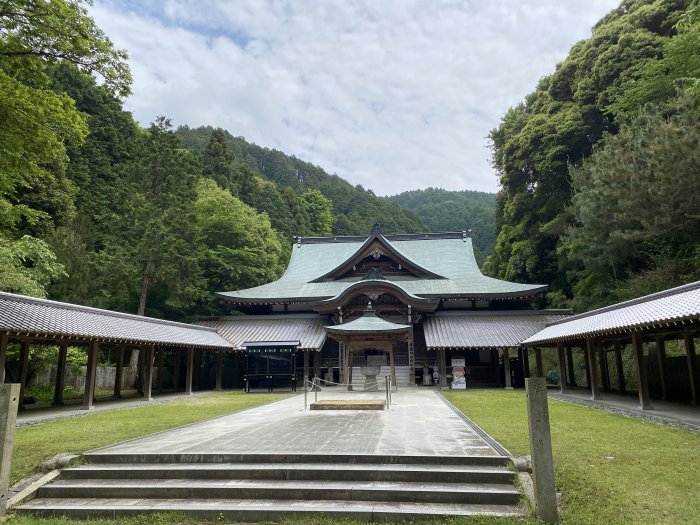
(355, 209)
(442, 210)
(96, 210)
(600, 165)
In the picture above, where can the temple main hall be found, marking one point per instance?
(415, 305)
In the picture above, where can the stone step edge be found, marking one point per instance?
(346, 459)
(264, 509)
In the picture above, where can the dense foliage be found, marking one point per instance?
(598, 166)
(443, 211)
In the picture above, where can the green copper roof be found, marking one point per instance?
(368, 323)
(448, 255)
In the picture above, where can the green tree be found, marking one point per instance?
(27, 266)
(240, 248)
(637, 208)
(35, 122)
(320, 212)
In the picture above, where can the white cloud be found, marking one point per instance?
(393, 95)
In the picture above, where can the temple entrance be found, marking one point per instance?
(270, 368)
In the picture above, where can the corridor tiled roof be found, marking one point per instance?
(305, 328)
(674, 306)
(20, 314)
(485, 329)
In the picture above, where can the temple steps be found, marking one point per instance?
(270, 487)
(402, 376)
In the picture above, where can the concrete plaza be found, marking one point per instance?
(418, 422)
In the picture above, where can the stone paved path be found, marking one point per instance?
(418, 423)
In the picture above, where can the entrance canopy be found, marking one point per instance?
(245, 331)
(461, 330)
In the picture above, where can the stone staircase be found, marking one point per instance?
(402, 377)
(252, 487)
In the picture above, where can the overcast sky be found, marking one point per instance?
(393, 95)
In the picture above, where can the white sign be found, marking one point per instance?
(458, 361)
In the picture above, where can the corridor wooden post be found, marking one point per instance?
(148, 374)
(9, 403)
(603, 367)
(392, 367)
(570, 360)
(690, 351)
(219, 369)
(506, 368)
(593, 375)
(3, 356)
(60, 374)
(538, 362)
(562, 367)
(306, 365)
(177, 364)
(188, 373)
(161, 369)
(640, 365)
(90, 375)
(620, 368)
(23, 370)
(586, 365)
(661, 358)
(119, 372)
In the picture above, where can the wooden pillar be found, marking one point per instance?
(148, 374)
(306, 364)
(3, 356)
(526, 363)
(661, 357)
(196, 369)
(603, 366)
(23, 370)
(161, 366)
(506, 369)
(188, 374)
(91, 375)
(60, 374)
(570, 359)
(349, 366)
(391, 365)
(141, 371)
(620, 368)
(219, 369)
(692, 372)
(593, 373)
(562, 367)
(538, 362)
(443, 368)
(640, 365)
(177, 360)
(586, 366)
(119, 373)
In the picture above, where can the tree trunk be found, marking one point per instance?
(134, 357)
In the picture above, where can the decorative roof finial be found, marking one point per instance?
(376, 228)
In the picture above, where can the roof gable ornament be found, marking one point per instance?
(374, 273)
(377, 246)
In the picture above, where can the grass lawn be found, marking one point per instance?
(611, 469)
(37, 443)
